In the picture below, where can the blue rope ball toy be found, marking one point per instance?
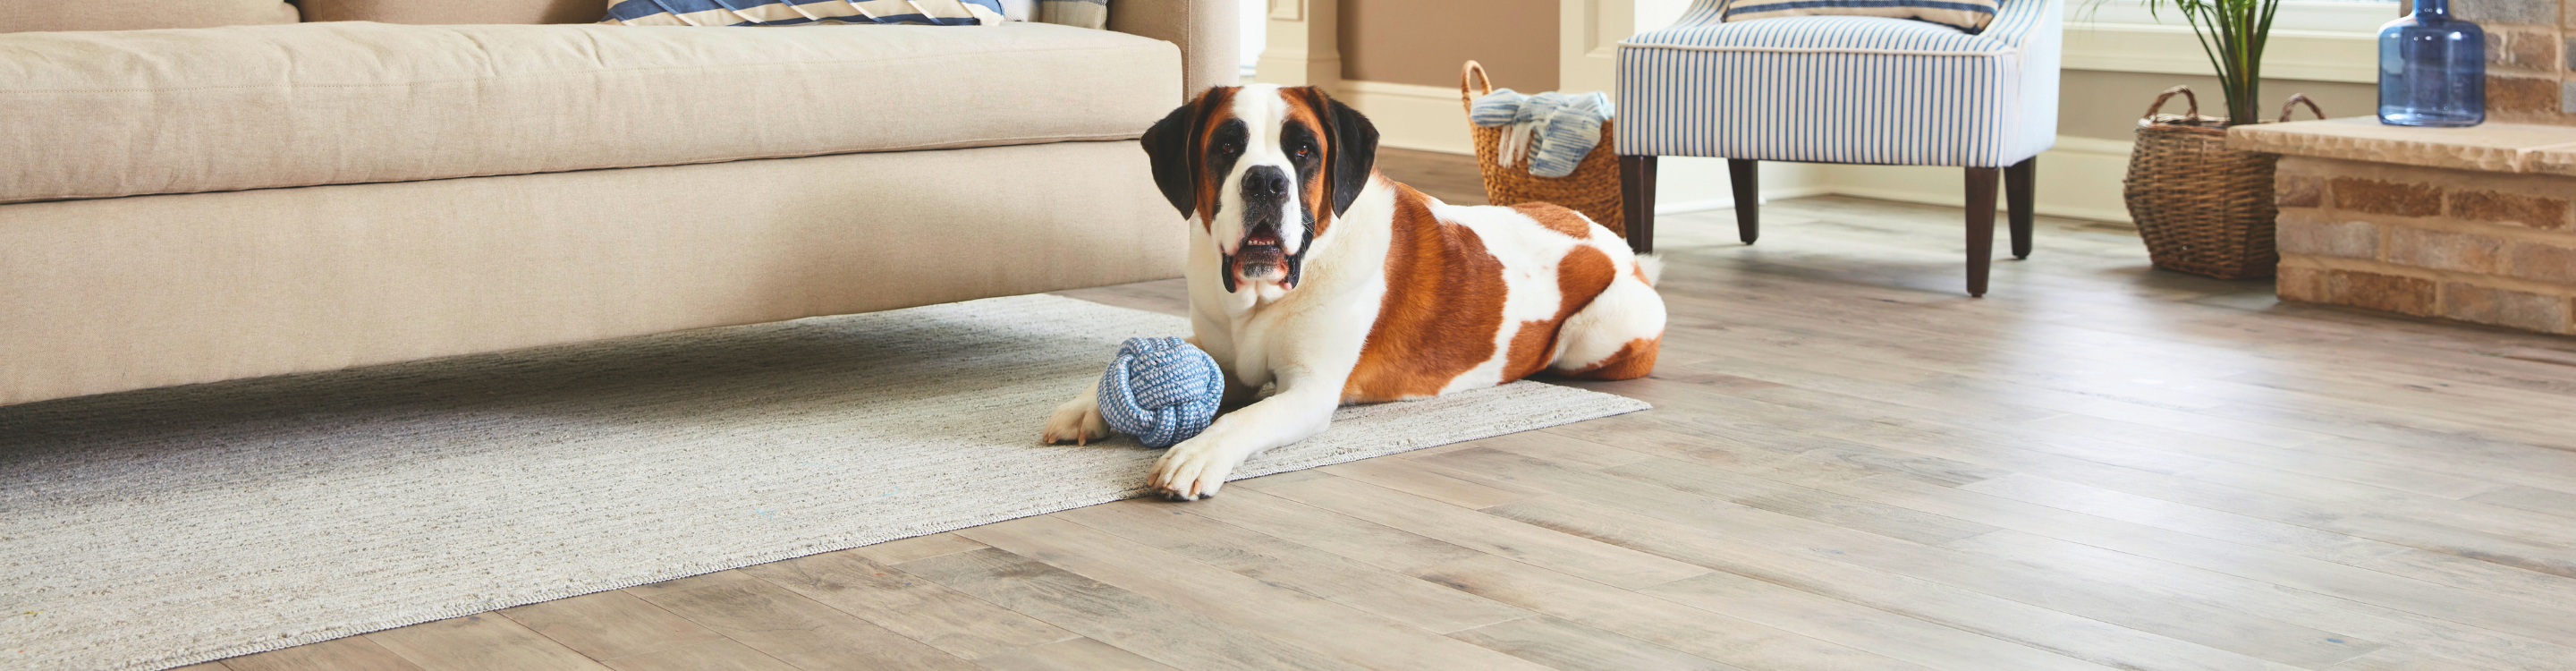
(1161, 390)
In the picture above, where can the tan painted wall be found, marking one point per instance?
(1424, 41)
(2107, 105)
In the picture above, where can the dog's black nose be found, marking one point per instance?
(1265, 181)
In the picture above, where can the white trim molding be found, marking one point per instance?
(2079, 178)
(2332, 16)
(1689, 184)
(1411, 116)
(1587, 42)
(1302, 44)
(2290, 54)
(2312, 41)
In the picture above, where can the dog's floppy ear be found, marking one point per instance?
(1172, 146)
(1353, 155)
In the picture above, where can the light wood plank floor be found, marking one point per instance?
(1851, 465)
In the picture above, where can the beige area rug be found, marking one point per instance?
(160, 528)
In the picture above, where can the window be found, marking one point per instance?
(1256, 33)
(2315, 40)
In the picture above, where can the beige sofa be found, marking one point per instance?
(207, 203)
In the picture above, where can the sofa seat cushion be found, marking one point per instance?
(92, 115)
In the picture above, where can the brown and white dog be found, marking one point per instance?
(1309, 269)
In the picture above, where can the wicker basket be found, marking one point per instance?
(2203, 208)
(1592, 189)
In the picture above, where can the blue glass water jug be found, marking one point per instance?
(2432, 69)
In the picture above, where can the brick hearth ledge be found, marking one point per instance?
(2472, 224)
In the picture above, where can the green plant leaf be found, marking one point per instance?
(2232, 35)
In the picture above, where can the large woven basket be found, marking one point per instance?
(1592, 189)
(2203, 208)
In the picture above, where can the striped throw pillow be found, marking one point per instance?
(801, 12)
(1968, 15)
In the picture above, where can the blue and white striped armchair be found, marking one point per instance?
(1844, 89)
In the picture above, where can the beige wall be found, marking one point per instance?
(1424, 41)
(2107, 105)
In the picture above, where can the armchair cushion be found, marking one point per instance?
(1843, 89)
(1853, 34)
(1968, 15)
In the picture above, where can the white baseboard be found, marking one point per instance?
(1411, 116)
(2079, 178)
(1664, 206)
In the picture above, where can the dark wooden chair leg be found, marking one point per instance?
(1637, 201)
(1748, 198)
(1981, 227)
(2019, 180)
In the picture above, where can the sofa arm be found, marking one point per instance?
(1211, 48)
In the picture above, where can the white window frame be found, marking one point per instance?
(2311, 40)
(1254, 17)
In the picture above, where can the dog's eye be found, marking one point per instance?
(1229, 148)
(1303, 150)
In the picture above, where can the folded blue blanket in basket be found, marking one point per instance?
(1557, 129)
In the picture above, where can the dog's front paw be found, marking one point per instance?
(1193, 470)
(1077, 421)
